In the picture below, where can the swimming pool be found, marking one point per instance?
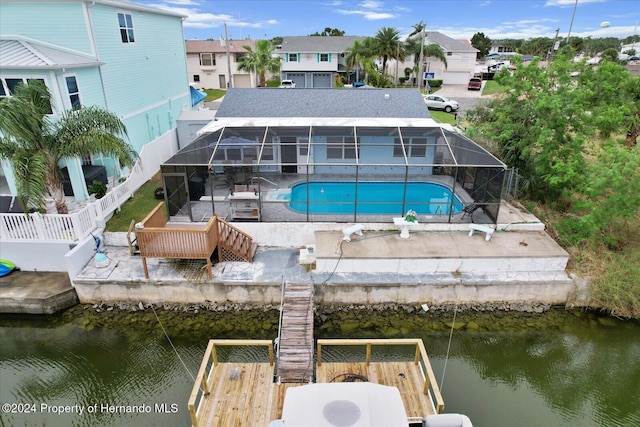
(373, 197)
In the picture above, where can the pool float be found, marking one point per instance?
(6, 267)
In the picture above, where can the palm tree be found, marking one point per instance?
(359, 54)
(34, 144)
(261, 61)
(435, 51)
(389, 46)
(417, 29)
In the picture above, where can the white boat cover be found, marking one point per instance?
(345, 404)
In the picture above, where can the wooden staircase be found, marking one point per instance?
(234, 244)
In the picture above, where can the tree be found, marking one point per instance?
(328, 31)
(358, 54)
(34, 144)
(435, 51)
(482, 43)
(261, 61)
(418, 29)
(388, 46)
(556, 124)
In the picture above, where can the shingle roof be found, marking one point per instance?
(447, 43)
(23, 55)
(343, 103)
(328, 44)
(213, 46)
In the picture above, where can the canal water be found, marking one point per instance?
(117, 368)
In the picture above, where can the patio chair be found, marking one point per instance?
(470, 209)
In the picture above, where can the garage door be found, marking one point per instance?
(298, 79)
(455, 78)
(322, 80)
(241, 80)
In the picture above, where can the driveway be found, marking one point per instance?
(466, 98)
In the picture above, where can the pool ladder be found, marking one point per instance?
(256, 178)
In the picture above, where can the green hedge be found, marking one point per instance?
(434, 83)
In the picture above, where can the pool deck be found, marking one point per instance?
(520, 263)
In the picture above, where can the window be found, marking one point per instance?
(74, 93)
(449, 53)
(8, 87)
(239, 56)
(196, 77)
(12, 83)
(207, 59)
(341, 147)
(292, 57)
(126, 28)
(324, 57)
(416, 147)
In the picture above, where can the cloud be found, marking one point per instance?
(203, 20)
(571, 3)
(370, 10)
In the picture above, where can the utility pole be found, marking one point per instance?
(226, 40)
(573, 15)
(420, 72)
(555, 47)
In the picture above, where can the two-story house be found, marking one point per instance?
(121, 56)
(314, 61)
(461, 59)
(212, 64)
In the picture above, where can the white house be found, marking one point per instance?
(211, 62)
(461, 59)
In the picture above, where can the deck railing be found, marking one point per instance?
(157, 240)
(421, 358)
(202, 387)
(76, 226)
(238, 243)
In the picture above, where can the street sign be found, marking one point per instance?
(429, 75)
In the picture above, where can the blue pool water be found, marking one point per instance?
(373, 198)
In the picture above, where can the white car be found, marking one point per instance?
(290, 84)
(436, 102)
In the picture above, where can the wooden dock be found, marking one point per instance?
(244, 394)
(295, 346)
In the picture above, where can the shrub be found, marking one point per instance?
(98, 188)
(434, 83)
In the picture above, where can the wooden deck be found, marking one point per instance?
(244, 394)
(295, 347)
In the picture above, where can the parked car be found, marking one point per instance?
(290, 84)
(475, 83)
(436, 102)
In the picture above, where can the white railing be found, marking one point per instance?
(78, 225)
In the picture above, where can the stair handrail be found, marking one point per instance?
(264, 179)
(244, 250)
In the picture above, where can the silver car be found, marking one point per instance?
(437, 102)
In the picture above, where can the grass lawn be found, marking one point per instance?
(213, 94)
(136, 208)
(442, 117)
(491, 88)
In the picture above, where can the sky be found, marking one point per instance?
(459, 19)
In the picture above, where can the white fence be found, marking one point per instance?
(77, 226)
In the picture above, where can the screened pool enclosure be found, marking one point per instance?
(333, 173)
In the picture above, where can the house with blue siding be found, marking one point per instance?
(127, 58)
